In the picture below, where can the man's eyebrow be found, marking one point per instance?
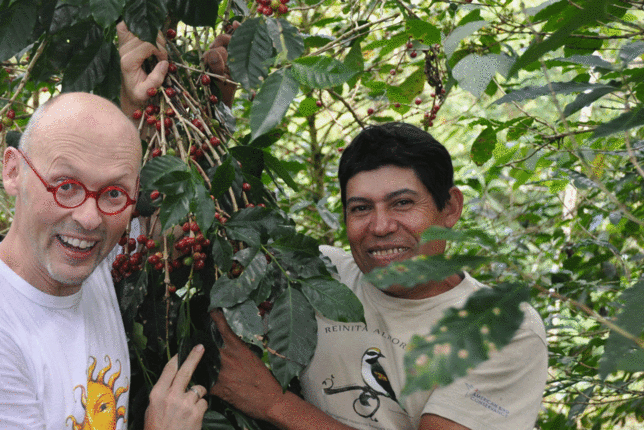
(390, 196)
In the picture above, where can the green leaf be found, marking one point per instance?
(253, 225)
(483, 146)
(529, 93)
(213, 420)
(272, 101)
(459, 33)
(145, 18)
(131, 293)
(333, 299)
(244, 320)
(631, 51)
(474, 72)
(626, 121)
(17, 24)
(276, 166)
(110, 88)
(229, 292)
(308, 107)
(422, 30)
(321, 72)
(470, 236)
(203, 207)
(222, 252)
(158, 167)
(106, 12)
(222, 178)
(248, 50)
(585, 99)
(292, 333)
(421, 269)
(286, 38)
(587, 60)
(87, 68)
(196, 13)
(621, 353)
(176, 183)
(463, 338)
(594, 12)
(174, 209)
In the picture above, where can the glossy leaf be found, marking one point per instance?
(88, 68)
(197, 13)
(160, 166)
(465, 337)
(451, 42)
(213, 420)
(483, 146)
(227, 292)
(286, 38)
(16, 27)
(222, 178)
(174, 209)
(592, 13)
(333, 299)
(272, 102)
(106, 12)
(292, 333)
(244, 320)
(276, 166)
(586, 99)
(630, 52)
(528, 93)
(202, 206)
(321, 72)
(626, 121)
(248, 50)
(422, 30)
(421, 269)
(145, 18)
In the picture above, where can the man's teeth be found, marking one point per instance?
(77, 243)
(381, 252)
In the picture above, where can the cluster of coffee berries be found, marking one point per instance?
(412, 52)
(191, 247)
(131, 258)
(430, 116)
(270, 7)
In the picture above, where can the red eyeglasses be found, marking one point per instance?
(69, 194)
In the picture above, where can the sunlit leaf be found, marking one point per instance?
(464, 337)
(421, 269)
(626, 121)
(528, 93)
(286, 38)
(422, 30)
(452, 41)
(321, 72)
(272, 102)
(483, 146)
(248, 50)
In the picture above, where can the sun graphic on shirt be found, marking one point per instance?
(100, 400)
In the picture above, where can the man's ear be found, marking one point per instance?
(11, 171)
(453, 209)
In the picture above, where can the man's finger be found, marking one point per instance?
(168, 374)
(227, 333)
(188, 367)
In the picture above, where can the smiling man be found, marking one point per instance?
(396, 181)
(64, 360)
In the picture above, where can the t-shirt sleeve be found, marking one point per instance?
(502, 393)
(19, 406)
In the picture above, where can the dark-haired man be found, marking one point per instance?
(396, 181)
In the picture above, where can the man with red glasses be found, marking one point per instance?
(64, 360)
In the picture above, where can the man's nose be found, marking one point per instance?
(87, 214)
(382, 223)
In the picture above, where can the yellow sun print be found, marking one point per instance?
(100, 400)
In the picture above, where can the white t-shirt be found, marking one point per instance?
(503, 393)
(63, 360)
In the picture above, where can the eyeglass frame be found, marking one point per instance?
(88, 193)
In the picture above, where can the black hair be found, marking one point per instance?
(403, 145)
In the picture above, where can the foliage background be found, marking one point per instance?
(542, 112)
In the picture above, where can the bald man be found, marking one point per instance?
(63, 352)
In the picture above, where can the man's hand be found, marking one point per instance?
(244, 381)
(216, 59)
(172, 405)
(135, 81)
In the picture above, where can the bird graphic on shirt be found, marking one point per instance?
(374, 375)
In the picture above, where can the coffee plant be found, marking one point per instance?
(540, 104)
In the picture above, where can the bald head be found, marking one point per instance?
(80, 113)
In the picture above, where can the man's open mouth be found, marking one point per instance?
(74, 243)
(388, 251)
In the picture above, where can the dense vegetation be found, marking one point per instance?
(541, 106)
